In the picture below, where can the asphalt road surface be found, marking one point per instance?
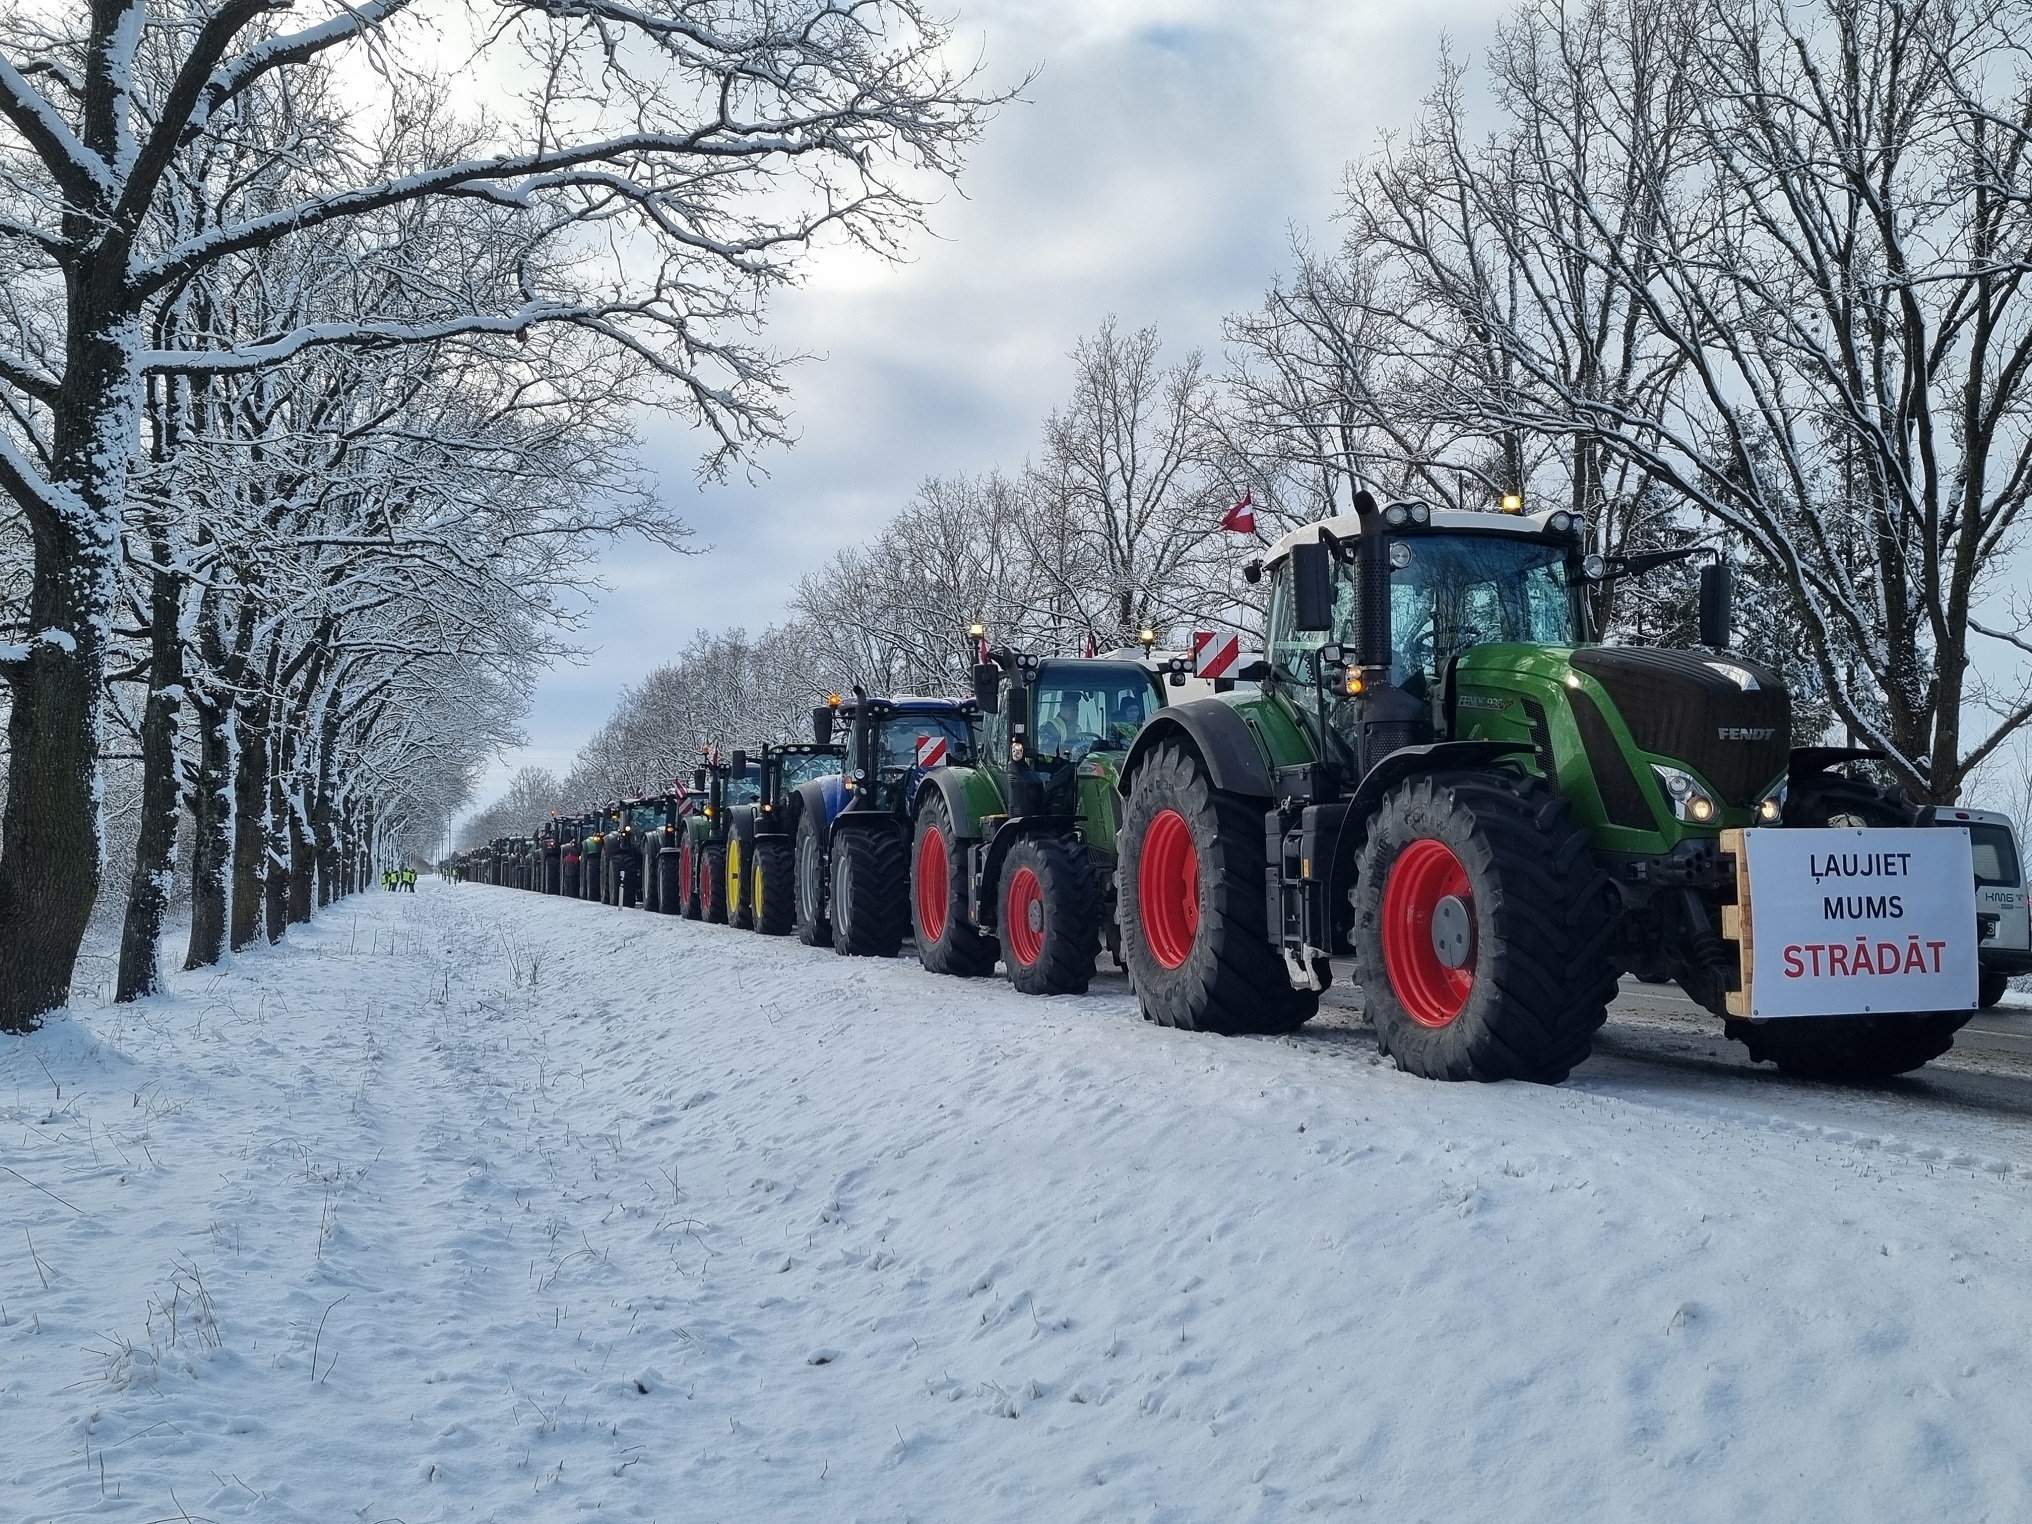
(1659, 1040)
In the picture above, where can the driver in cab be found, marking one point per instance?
(1055, 735)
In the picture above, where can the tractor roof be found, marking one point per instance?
(1458, 520)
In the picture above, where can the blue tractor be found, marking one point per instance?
(852, 853)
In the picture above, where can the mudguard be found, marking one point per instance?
(988, 903)
(1220, 735)
(1408, 762)
(823, 799)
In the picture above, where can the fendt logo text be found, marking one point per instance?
(1747, 732)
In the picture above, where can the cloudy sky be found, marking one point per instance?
(1155, 170)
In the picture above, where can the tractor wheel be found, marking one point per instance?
(688, 876)
(1482, 929)
(712, 883)
(813, 925)
(871, 890)
(1190, 887)
(1991, 986)
(670, 881)
(740, 863)
(1051, 916)
(1848, 1047)
(772, 899)
(947, 942)
(568, 878)
(589, 881)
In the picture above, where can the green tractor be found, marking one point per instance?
(1014, 855)
(762, 836)
(1442, 773)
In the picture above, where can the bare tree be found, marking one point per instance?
(669, 168)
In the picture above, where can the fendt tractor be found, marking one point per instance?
(1015, 854)
(853, 827)
(717, 787)
(1443, 774)
(762, 836)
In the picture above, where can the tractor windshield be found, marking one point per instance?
(1447, 592)
(1079, 710)
(799, 768)
(920, 740)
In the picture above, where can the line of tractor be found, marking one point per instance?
(1432, 770)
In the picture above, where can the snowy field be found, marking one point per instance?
(474, 1205)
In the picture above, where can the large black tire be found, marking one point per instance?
(947, 942)
(871, 891)
(1848, 1047)
(812, 917)
(772, 899)
(589, 879)
(1992, 982)
(568, 878)
(1532, 924)
(740, 862)
(669, 881)
(1230, 978)
(712, 883)
(688, 875)
(1050, 916)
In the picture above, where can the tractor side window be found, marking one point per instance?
(1290, 651)
(801, 767)
(745, 787)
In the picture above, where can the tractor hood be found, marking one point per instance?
(1728, 719)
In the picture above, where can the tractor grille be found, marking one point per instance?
(1622, 801)
(1680, 704)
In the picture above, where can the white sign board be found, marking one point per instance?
(1861, 922)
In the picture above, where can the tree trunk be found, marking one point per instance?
(250, 820)
(161, 801)
(212, 843)
(275, 847)
(302, 863)
(50, 847)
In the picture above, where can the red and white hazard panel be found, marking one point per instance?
(1215, 655)
(931, 751)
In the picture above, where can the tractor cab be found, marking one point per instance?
(893, 742)
(1058, 714)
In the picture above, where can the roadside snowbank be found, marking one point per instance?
(703, 1226)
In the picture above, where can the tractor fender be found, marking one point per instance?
(988, 903)
(823, 799)
(1220, 735)
(1407, 762)
(951, 783)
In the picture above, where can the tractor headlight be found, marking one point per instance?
(1560, 522)
(1420, 514)
(1771, 808)
(1690, 800)
(1396, 515)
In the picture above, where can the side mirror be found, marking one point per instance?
(740, 759)
(1312, 587)
(1714, 611)
(699, 781)
(988, 687)
(1252, 571)
(822, 724)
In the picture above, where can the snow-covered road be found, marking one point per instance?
(476, 1205)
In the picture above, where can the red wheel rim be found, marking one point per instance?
(1167, 889)
(709, 889)
(1025, 899)
(934, 869)
(1425, 873)
(684, 873)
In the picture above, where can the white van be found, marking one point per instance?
(2002, 914)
